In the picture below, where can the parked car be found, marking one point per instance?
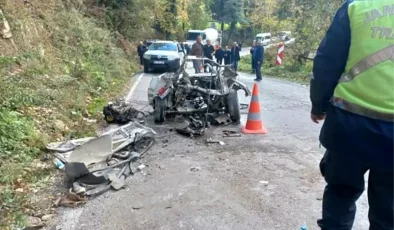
(265, 38)
(149, 42)
(163, 55)
(284, 35)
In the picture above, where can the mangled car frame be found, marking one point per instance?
(187, 93)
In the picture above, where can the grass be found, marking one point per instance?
(288, 70)
(63, 68)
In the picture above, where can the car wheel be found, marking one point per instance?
(160, 110)
(233, 106)
(146, 69)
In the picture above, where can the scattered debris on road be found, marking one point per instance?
(195, 169)
(94, 165)
(190, 126)
(210, 140)
(70, 200)
(264, 182)
(121, 112)
(230, 133)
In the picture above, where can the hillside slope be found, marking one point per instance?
(58, 66)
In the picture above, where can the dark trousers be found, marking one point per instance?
(141, 60)
(219, 60)
(253, 64)
(344, 175)
(258, 71)
(235, 65)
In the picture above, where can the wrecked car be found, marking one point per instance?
(205, 94)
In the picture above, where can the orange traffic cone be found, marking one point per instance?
(254, 124)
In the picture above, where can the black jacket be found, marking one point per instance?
(219, 53)
(141, 49)
(208, 50)
(227, 56)
(235, 56)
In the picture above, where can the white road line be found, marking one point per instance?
(130, 94)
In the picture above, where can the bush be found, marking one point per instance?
(64, 68)
(290, 69)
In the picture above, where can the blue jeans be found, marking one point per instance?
(235, 65)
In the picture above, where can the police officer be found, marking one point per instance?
(352, 90)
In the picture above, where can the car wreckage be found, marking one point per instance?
(210, 95)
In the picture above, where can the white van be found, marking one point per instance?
(284, 35)
(265, 38)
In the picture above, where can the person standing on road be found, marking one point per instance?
(235, 56)
(258, 57)
(252, 54)
(219, 55)
(187, 49)
(209, 50)
(197, 51)
(141, 48)
(227, 56)
(352, 91)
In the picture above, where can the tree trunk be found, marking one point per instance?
(231, 30)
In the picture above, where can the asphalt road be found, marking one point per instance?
(260, 182)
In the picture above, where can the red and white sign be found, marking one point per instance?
(279, 57)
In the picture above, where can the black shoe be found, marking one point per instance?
(256, 79)
(259, 79)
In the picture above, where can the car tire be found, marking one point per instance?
(233, 106)
(159, 112)
(146, 69)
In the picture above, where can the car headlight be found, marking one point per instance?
(172, 57)
(147, 56)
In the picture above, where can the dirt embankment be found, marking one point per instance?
(59, 65)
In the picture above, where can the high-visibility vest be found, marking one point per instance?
(367, 85)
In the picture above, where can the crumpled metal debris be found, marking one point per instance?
(69, 145)
(210, 140)
(190, 126)
(106, 161)
(223, 119)
(120, 112)
(230, 133)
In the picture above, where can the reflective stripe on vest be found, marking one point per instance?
(369, 62)
(348, 106)
(363, 65)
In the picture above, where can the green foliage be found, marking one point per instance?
(16, 136)
(198, 16)
(227, 11)
(65, 72)
(132, 18)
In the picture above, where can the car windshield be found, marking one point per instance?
(193, 35)
(258, 38)
(163, 46)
